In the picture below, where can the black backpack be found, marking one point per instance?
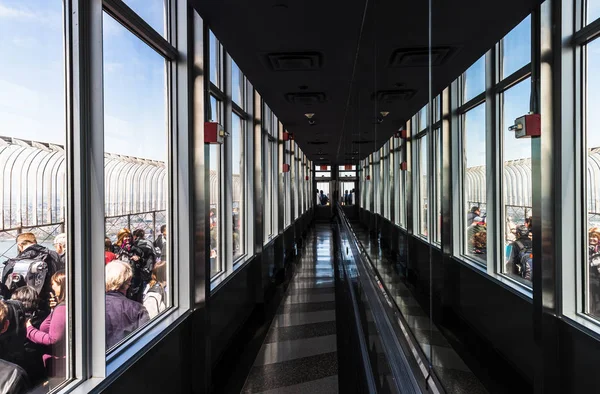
(25, 272)
(524, 259)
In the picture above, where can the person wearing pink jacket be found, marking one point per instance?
(52, 331)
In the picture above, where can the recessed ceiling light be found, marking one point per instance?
(384, 113)
(309, 115)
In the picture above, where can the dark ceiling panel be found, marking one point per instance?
(302, 57)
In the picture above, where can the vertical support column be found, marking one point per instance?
(200, 205)
(493, 163)
(258, 213)
(547, 176)
(227, 189)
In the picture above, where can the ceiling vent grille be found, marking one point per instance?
(306, 98)
(419, 57)
(317, 142)
(295, 61)
(392, 96)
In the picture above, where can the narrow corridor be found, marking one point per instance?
(299, 354)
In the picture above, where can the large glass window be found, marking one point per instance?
(593, 10)
(423, 185)
(516, 181)
(592, 139)
(34, 198)
(136, 144)
(438, 184)
(516, 48)
(238, 186)
(474, 182)
(214, 168)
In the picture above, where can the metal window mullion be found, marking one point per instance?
(85, 170)
(138, 26)
(493, 159)
(227, 176)
(513, 79)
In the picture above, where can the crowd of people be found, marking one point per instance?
(33, 314)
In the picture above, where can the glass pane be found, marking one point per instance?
(517, 186)
(516, 47)
(136, 144)
(237, 84)
(438, 183)
(474, 182)
(267, 189)
(152, 11)
(423, 186)
(215, 59)
(274, 187)
(32, 183)
(214, 214)
(593, 176)
(238, 185)
(474, 80)
(593, 10)
(422, 119)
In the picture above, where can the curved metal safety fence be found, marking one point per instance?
(32, 175)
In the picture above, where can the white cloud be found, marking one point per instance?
(8, 12)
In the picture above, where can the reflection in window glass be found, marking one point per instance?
(593, 176)
(215, 59)
(593, 10)
(135, 203)
(423, 186)
(516, 47)
(438, 184)
(517, 186)
(474, 80)
(323, 197)
(214, 213)
(152, 11)
(33, 109)
(237, 84)
(474, 183)
(238, 182)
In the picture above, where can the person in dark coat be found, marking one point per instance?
(29, 249)
(60, 245)
(160, 244)
(123, 316)
(142, 258)
(13, 379)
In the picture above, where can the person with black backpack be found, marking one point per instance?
(520, 262)
(34, 266)
(142, 259)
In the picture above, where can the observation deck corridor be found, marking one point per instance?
(299, 353)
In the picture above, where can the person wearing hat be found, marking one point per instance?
(122, 247)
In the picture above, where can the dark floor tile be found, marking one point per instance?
(431, 337)
(311, 290)
(291, 372)
(277, 334)
(459, 382)
(308, 307)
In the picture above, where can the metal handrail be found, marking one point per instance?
(391, 324)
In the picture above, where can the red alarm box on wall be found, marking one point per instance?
(403, 166)
(286, 167)
(307, 177)
(368, 177)
(213, 133)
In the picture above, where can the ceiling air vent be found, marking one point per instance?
(317, 142)
(392, 96)
(306, 98)
(419, 57)
(295, 61)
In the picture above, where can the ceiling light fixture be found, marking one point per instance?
(309, 115)
(384, 113)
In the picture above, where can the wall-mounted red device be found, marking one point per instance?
(286, 167)
(213, 133)
(527, 126)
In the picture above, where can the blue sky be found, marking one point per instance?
(32, 97)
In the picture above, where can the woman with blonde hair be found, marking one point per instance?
(122, 247)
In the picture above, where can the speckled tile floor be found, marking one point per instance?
(299, 353)
(450, 369)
